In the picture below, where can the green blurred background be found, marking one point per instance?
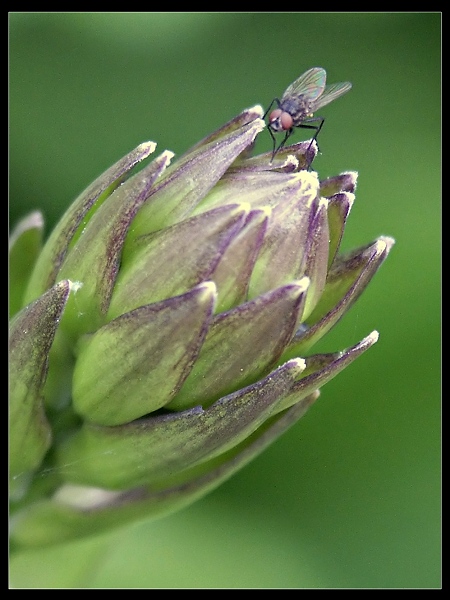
(350, 497)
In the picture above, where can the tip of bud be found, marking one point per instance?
(34, 220)
(257, 110)
(303, 283)
(258, 124)
(386, 242)
(291, 164)
(208, 287)
(147, 147)
(323, 202)
(299, 363)
(84, 497)
(352, 177)
(74, 286)
(372, 338)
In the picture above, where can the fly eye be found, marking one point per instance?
(286, 121)
(274, 115)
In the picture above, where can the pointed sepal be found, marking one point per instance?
(321, 368)
(242, 345)
(24, 246)
(55, 249)
(95, 257)
(171, 261)
(348, 278)
(31, 336)
(136, 363)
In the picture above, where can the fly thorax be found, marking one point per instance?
(298, 107)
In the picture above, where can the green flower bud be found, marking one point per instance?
(158, 339)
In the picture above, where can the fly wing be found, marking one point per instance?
(311, 85)
(330, 93)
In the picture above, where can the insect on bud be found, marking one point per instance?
(300, 101)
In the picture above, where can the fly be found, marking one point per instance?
(300, 101)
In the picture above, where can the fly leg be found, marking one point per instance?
(288, 133)
(317, 128)
(270, 106)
